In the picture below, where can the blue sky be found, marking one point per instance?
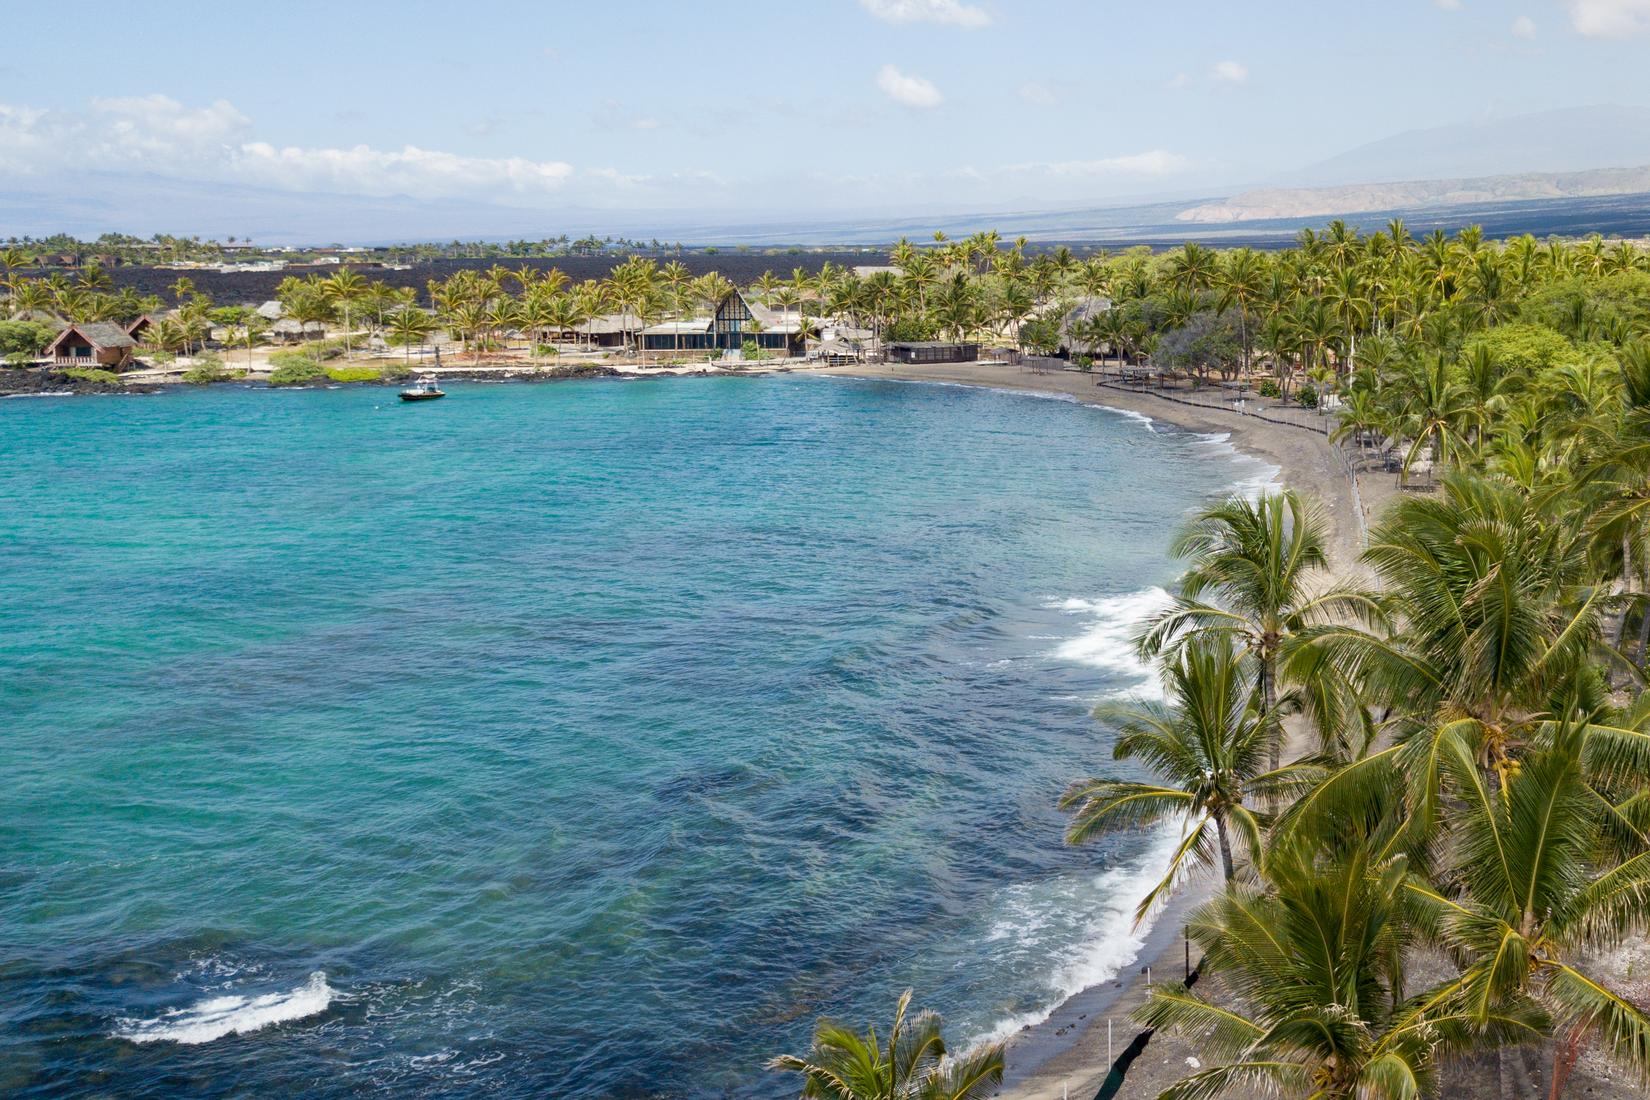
(806, 106)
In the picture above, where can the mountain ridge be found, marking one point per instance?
(1308, 202)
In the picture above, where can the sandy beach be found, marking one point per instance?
(1067, 1055)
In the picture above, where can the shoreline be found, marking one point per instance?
(1066, 1054)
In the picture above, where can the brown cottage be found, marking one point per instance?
(94, 343)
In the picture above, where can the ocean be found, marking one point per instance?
(581, 740)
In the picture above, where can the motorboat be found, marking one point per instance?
(424, 389)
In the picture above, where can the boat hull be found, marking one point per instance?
(422, 396)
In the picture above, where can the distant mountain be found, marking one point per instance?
(1319, 202)
(1571, 139)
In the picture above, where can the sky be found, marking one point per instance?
(772, 108)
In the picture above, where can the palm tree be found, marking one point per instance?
(912, 1064)
(1256, 559)
(1528, 899)
(1435, 409)
(1495, 610)
(253, 329)
(344, 288)
(1309, 966)
(1209, 748)
(410, 326)
(1239, 282)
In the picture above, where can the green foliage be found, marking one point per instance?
(546, 351)
(24, 337)
(289, 359)
(1207, 341)
(322, 350)
(1268, 388)
(294, 369)
(355, 374)
(91, 374)
(209, 369)
(911, 327)
(908, 1061)
(751, 352)
(1522, 348)
(1585, 306)
(1042, 336)
(1307, 396)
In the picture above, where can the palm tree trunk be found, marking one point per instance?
(1225, 845)
(1565, 1054)
(1269, 699)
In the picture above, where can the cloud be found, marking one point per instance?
(140, 126)
(421, 173)
(1609, 18)
(1447, 5)
(1180, 80)
(1524, 27)
(1153, 162)
(912, 91)
(948, 12)
(157, 134)
(1040, 93)
(1232, 72)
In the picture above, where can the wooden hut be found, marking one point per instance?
(92, 344)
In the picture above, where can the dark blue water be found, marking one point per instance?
(577, 740)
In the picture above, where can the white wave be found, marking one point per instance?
(219, 1016)
(1106, 640)
(1141, 417)
(1090, 921)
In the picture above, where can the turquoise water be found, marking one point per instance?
(578, 740)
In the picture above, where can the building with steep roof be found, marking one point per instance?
(92, 344)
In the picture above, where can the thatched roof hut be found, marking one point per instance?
(92, 343)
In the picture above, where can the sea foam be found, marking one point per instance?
(1105, 939)
(1107, 638)
(217, 1017)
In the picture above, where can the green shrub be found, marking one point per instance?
(546, 351)
(1307, 395)
(1084, 363)
(289, 359)
(322, 350)
(294, 370)
(28, 338)
(160, 357)
(91, 374)
(209, 370)
(354, 374)
(18, 359)
(1268, 388)
(751, 352)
